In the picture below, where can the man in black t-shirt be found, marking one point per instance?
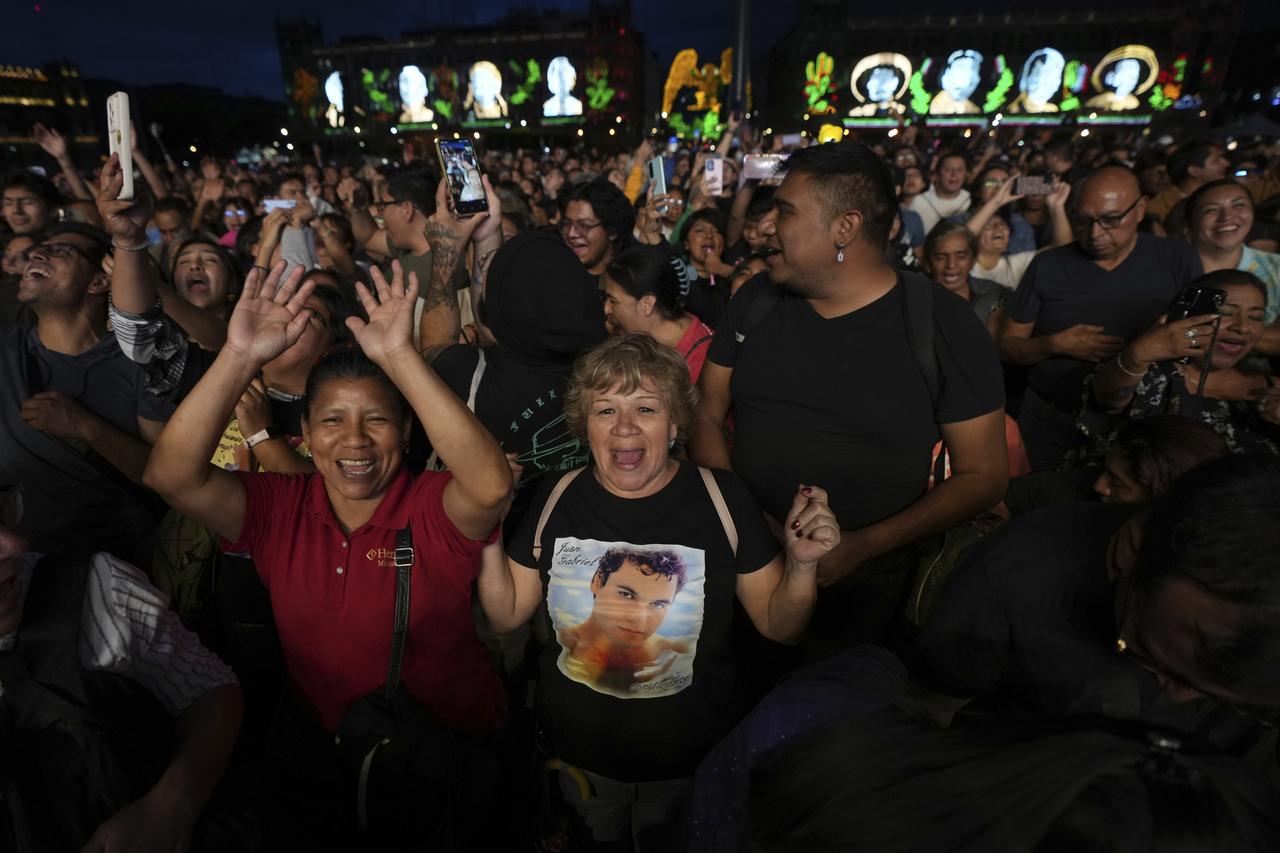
(827, 390)
(1079, 305)
(1165, 615)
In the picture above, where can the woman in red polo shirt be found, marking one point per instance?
(323, 543)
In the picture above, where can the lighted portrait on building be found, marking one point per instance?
(333, 91)
(1121, 76)
(561, 78)
(413, 95)
(878, 81)
(959, 80)
(1041, 81)
(484, 91)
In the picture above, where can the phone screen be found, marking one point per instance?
(715, 176)
(462, 170)
(270, 204)
(1033, 185)
(658, 180)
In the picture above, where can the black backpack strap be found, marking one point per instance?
(917, 312)
(764, 302)
(404, 568)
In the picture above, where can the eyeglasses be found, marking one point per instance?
(11, 504)
(1086, 223)
(1262, 716)
(568, 226)
(233, 213)
(379, 206)
(57, 250)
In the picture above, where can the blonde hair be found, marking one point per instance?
(627, 363)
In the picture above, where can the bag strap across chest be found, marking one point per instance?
(404, 566)
(708, 479)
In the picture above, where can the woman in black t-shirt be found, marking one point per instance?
(639, 559)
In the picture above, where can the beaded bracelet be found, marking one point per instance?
(137, 248)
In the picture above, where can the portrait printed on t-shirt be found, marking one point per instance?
(627, 616)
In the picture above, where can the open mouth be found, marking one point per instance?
(1232, 346)
(627, 459)
(356, 469)
(197, 284)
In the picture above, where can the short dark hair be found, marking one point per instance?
(610, 206)
(346, 362)
(761, 203)
(964, 158)
(1198, 194)
(642, 270)
(283, 178)
(707, 214)
(1156, 451)
(40, 186)
(1061, 148)
(1218, 529)
(415, 183)
(173, 203)
(669, 564)
(849, 176)
(101, 239)
(1230, 278)
(340, 302)
(1182, 160)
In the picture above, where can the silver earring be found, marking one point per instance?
(840, 257)
(671, 445)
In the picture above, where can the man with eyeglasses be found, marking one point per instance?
(76, 420)
(1164, 613)
(596, 222)
(1079, 305)
(115, 722)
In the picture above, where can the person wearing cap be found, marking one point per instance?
(539, 306)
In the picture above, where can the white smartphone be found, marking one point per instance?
(270, 204)
(118, 139)
(758, 167)
(789, 139)
(715, 176)
(657, 181)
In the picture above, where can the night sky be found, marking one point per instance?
(231, 44)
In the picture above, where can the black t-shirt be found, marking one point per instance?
(707, 300)
(640, 683)
(1027, 623)
(1063, 287)
(521, 404)
(841, 403)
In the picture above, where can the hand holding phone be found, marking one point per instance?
(119, 141)
(657, 181)
(714, 181)
(461, 170)
(758, 167)
(1033, 185)
(270, 204)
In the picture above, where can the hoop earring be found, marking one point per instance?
(840, 256)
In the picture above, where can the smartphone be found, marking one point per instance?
(1033, 185)
(270, 204)
(118, 139)
(658, 180)
(758, 167)
(790, 139)
(1196, 301)
(715, 176)
(673, 145)
(461, 168)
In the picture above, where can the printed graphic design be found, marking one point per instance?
(627, 617)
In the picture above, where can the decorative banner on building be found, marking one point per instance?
(691, 97)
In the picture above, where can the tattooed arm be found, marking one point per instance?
(450, 236)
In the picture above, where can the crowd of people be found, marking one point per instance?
(923, 495)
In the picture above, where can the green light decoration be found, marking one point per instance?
(599, 93)
(1207, 67)
(996, 97)
(532, 73)
(920, 99)
(708, 125)
(818, 84)
(443, 107)
(678, 125)
(1074, 77)
(1168, 87)
(379, 99)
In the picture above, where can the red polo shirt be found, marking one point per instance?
(334, 596)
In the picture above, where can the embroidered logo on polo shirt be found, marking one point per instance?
(383, 556)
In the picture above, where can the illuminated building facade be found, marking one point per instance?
(549, 73)
(1130, 66)
(54, 96)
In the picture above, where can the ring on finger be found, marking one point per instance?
(1194, 343)
(1190, 334)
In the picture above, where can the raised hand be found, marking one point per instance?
(1166, 341)
(811, 528)
(390, 327)
(1057, 200)
(450, 232)
(51, 141)
(209, 168)
(270, 315)
(352, 192)
(212, 190)
(126, 220)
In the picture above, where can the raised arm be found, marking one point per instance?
(449, 237)
(1114, 384)
(55, 146)
(1004, 195)
(210, 193)
(707, 445)
(738, 215)
(474, 499)
(135, 280)
(355, 201)
(266, 321)
(779, 598)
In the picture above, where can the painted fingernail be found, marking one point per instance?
(806, 490)
(795, 525)
(799, 534)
